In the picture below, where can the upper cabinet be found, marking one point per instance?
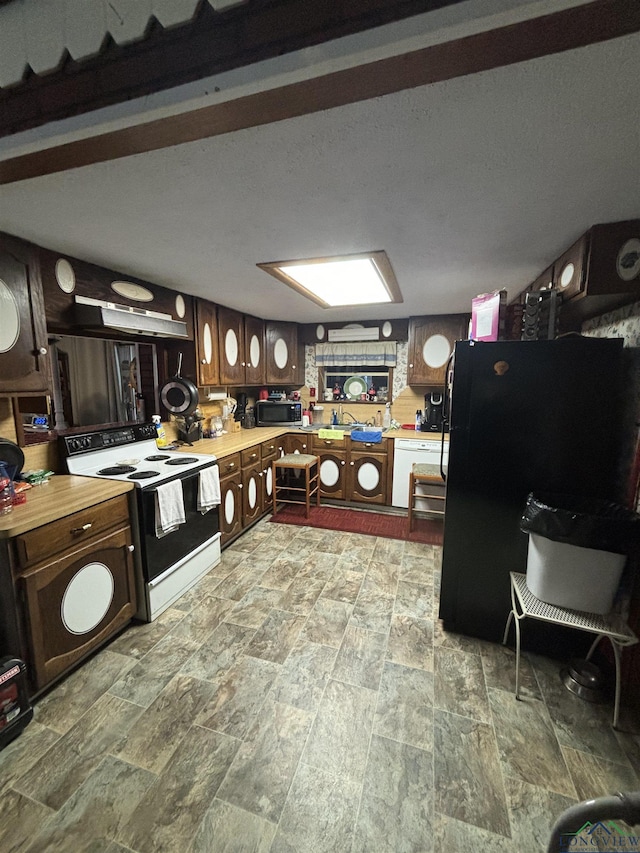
(601, 270)
(231, 336)
(284, 354)
(242, 358)
(76, 293)
(598, 273)
(431, 342)
(24, 351)
(207, 343)
(254, 351)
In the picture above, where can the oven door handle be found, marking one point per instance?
(187, 476)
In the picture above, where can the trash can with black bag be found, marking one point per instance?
(578, 548)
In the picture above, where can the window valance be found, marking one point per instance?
(371, 354)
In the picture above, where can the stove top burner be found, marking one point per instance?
(184, 460)
(143, 475)
(116, 469)
(157, 458)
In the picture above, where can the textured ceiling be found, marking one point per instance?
(469, 185)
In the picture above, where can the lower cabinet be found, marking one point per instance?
(75, 583)
(294, 443)
(230, 506)
(252, 477)
(352, 475)
(368, 477)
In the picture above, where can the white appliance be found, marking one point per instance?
(408, 451)
(170, 565)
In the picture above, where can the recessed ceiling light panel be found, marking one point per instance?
(364, 279)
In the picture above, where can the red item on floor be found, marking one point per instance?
(427, 531)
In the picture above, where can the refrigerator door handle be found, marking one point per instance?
(445, 415)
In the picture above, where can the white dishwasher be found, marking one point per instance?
(406, 452)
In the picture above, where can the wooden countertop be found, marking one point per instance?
(234, 442)
(63, 495)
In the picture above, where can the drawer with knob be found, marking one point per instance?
(70, 532)
(229, 465)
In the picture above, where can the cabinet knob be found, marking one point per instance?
(131, 548)
(410, 365)
(253, 456)
(261, 473)
(304, 446)
(293, 367)
(203, 361)
(352, 463)
(240, 486)
(42, 350)
(244, 364)
(343, 462)
(231, 465)
(83, 529)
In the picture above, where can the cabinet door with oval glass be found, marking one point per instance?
(431, 342)
(207, 343)
(282, 353)
(24, 356)
(231, 337)
(254, 350)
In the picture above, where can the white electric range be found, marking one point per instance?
(170, 565)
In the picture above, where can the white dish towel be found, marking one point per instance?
(209, 489)
(169, 508)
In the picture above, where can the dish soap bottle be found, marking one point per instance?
(386, 420)
(418, 420)
(161, 436)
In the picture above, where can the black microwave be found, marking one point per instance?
(281, 413)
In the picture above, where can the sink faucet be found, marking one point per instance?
(355, 420)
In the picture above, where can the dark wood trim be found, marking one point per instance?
(208, 44)
(566, 30)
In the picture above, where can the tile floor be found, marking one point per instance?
(304, 697)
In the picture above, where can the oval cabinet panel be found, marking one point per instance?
(280, 354)
(436, 351)
(207, 343)
(254, 351)
(368, 477)
(87, 598)
(231, 348)
(9, 319)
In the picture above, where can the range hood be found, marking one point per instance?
(93, 313)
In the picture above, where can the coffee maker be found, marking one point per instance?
(241, 408)
(433, 403)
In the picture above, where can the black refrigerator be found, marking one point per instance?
(523, 416)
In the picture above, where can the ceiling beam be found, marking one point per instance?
(568, 29)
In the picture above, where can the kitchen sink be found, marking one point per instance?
(350, 427)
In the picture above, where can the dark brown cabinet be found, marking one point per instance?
(231, 337)
(297, 443)
(270, 451)
(254, 351)
(24, 351)
(230, 506)
(207, 343)
(284, 354)
(353, 472)
(75, 578)
(241, 348)
(431, 342)
(252, 478)
(368, 476)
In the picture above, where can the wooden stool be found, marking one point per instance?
(287, 488)
(423, 474)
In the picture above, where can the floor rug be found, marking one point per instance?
(361, 521)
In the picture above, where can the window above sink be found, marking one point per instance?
(360, 384)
